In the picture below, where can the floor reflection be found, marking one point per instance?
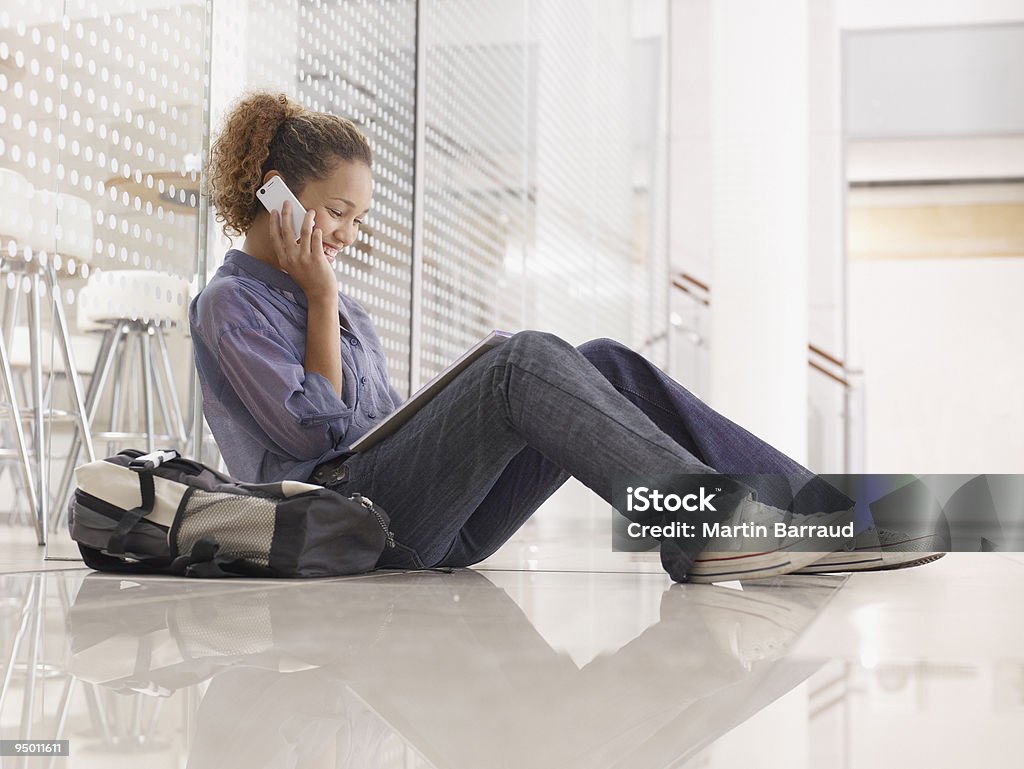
(401, 670)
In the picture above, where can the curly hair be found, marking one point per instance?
(264, 132)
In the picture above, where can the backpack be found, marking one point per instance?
(160, 513)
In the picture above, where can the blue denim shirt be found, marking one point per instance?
(271, 418)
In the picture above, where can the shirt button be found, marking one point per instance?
(362, 380)
(355, 342)
(372, 416)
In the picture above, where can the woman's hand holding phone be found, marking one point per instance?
(302, 256)
(306, 262)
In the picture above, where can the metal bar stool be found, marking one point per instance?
(85, 348)
(65, 226)
(133, 310)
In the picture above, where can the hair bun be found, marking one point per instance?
(289, 108)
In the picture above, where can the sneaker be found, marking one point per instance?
(877, 549)
(729, 558)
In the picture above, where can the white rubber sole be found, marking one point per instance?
(844, 560)
(879, 560)
(722, 567)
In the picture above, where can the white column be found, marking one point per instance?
(759, 203)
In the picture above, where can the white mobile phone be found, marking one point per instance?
(274, 193)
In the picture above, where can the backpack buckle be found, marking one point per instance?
(152, 460)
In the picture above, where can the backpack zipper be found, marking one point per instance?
(368, 504)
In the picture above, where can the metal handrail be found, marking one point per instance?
(693, 286)
(818, 359)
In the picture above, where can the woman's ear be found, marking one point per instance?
(269, 175)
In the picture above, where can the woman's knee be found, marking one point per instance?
(533, 344)
(596, 347)
(544, 346)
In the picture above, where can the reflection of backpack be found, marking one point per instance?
(157, 636)
(159, 513)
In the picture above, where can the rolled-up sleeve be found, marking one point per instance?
(298, 410)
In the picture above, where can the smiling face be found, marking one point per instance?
(339, 201)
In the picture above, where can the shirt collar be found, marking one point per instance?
(264, 272)
(278, 279)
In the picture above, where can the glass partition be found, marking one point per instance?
(102, 114)
(356, 60)
(514, 189)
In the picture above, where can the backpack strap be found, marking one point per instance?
(143, 465)
(205, 561)
(132, 517)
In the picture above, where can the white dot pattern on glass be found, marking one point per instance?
(355, 60)
(528, 154)
(100, 103)
(476, 202)
(527, 176)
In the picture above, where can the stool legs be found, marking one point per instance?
(19, 431)
(105, 362)
(21, 442)
(38, 280)
(38, 424)
(82, 420)
(179, 421)
(146, 351)
(124, 363)
(121, 360)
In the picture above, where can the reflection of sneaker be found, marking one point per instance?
(761, 621)
(756, 557)
(878, 550)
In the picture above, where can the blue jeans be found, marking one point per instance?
(461, 476)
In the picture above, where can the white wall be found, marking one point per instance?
(940, 343)
(973, 157)
(739, 189)
(875, 14)
(935, 102)
(938, 339)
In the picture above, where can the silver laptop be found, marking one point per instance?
(421, 397)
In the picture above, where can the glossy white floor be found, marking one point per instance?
(553, 653)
